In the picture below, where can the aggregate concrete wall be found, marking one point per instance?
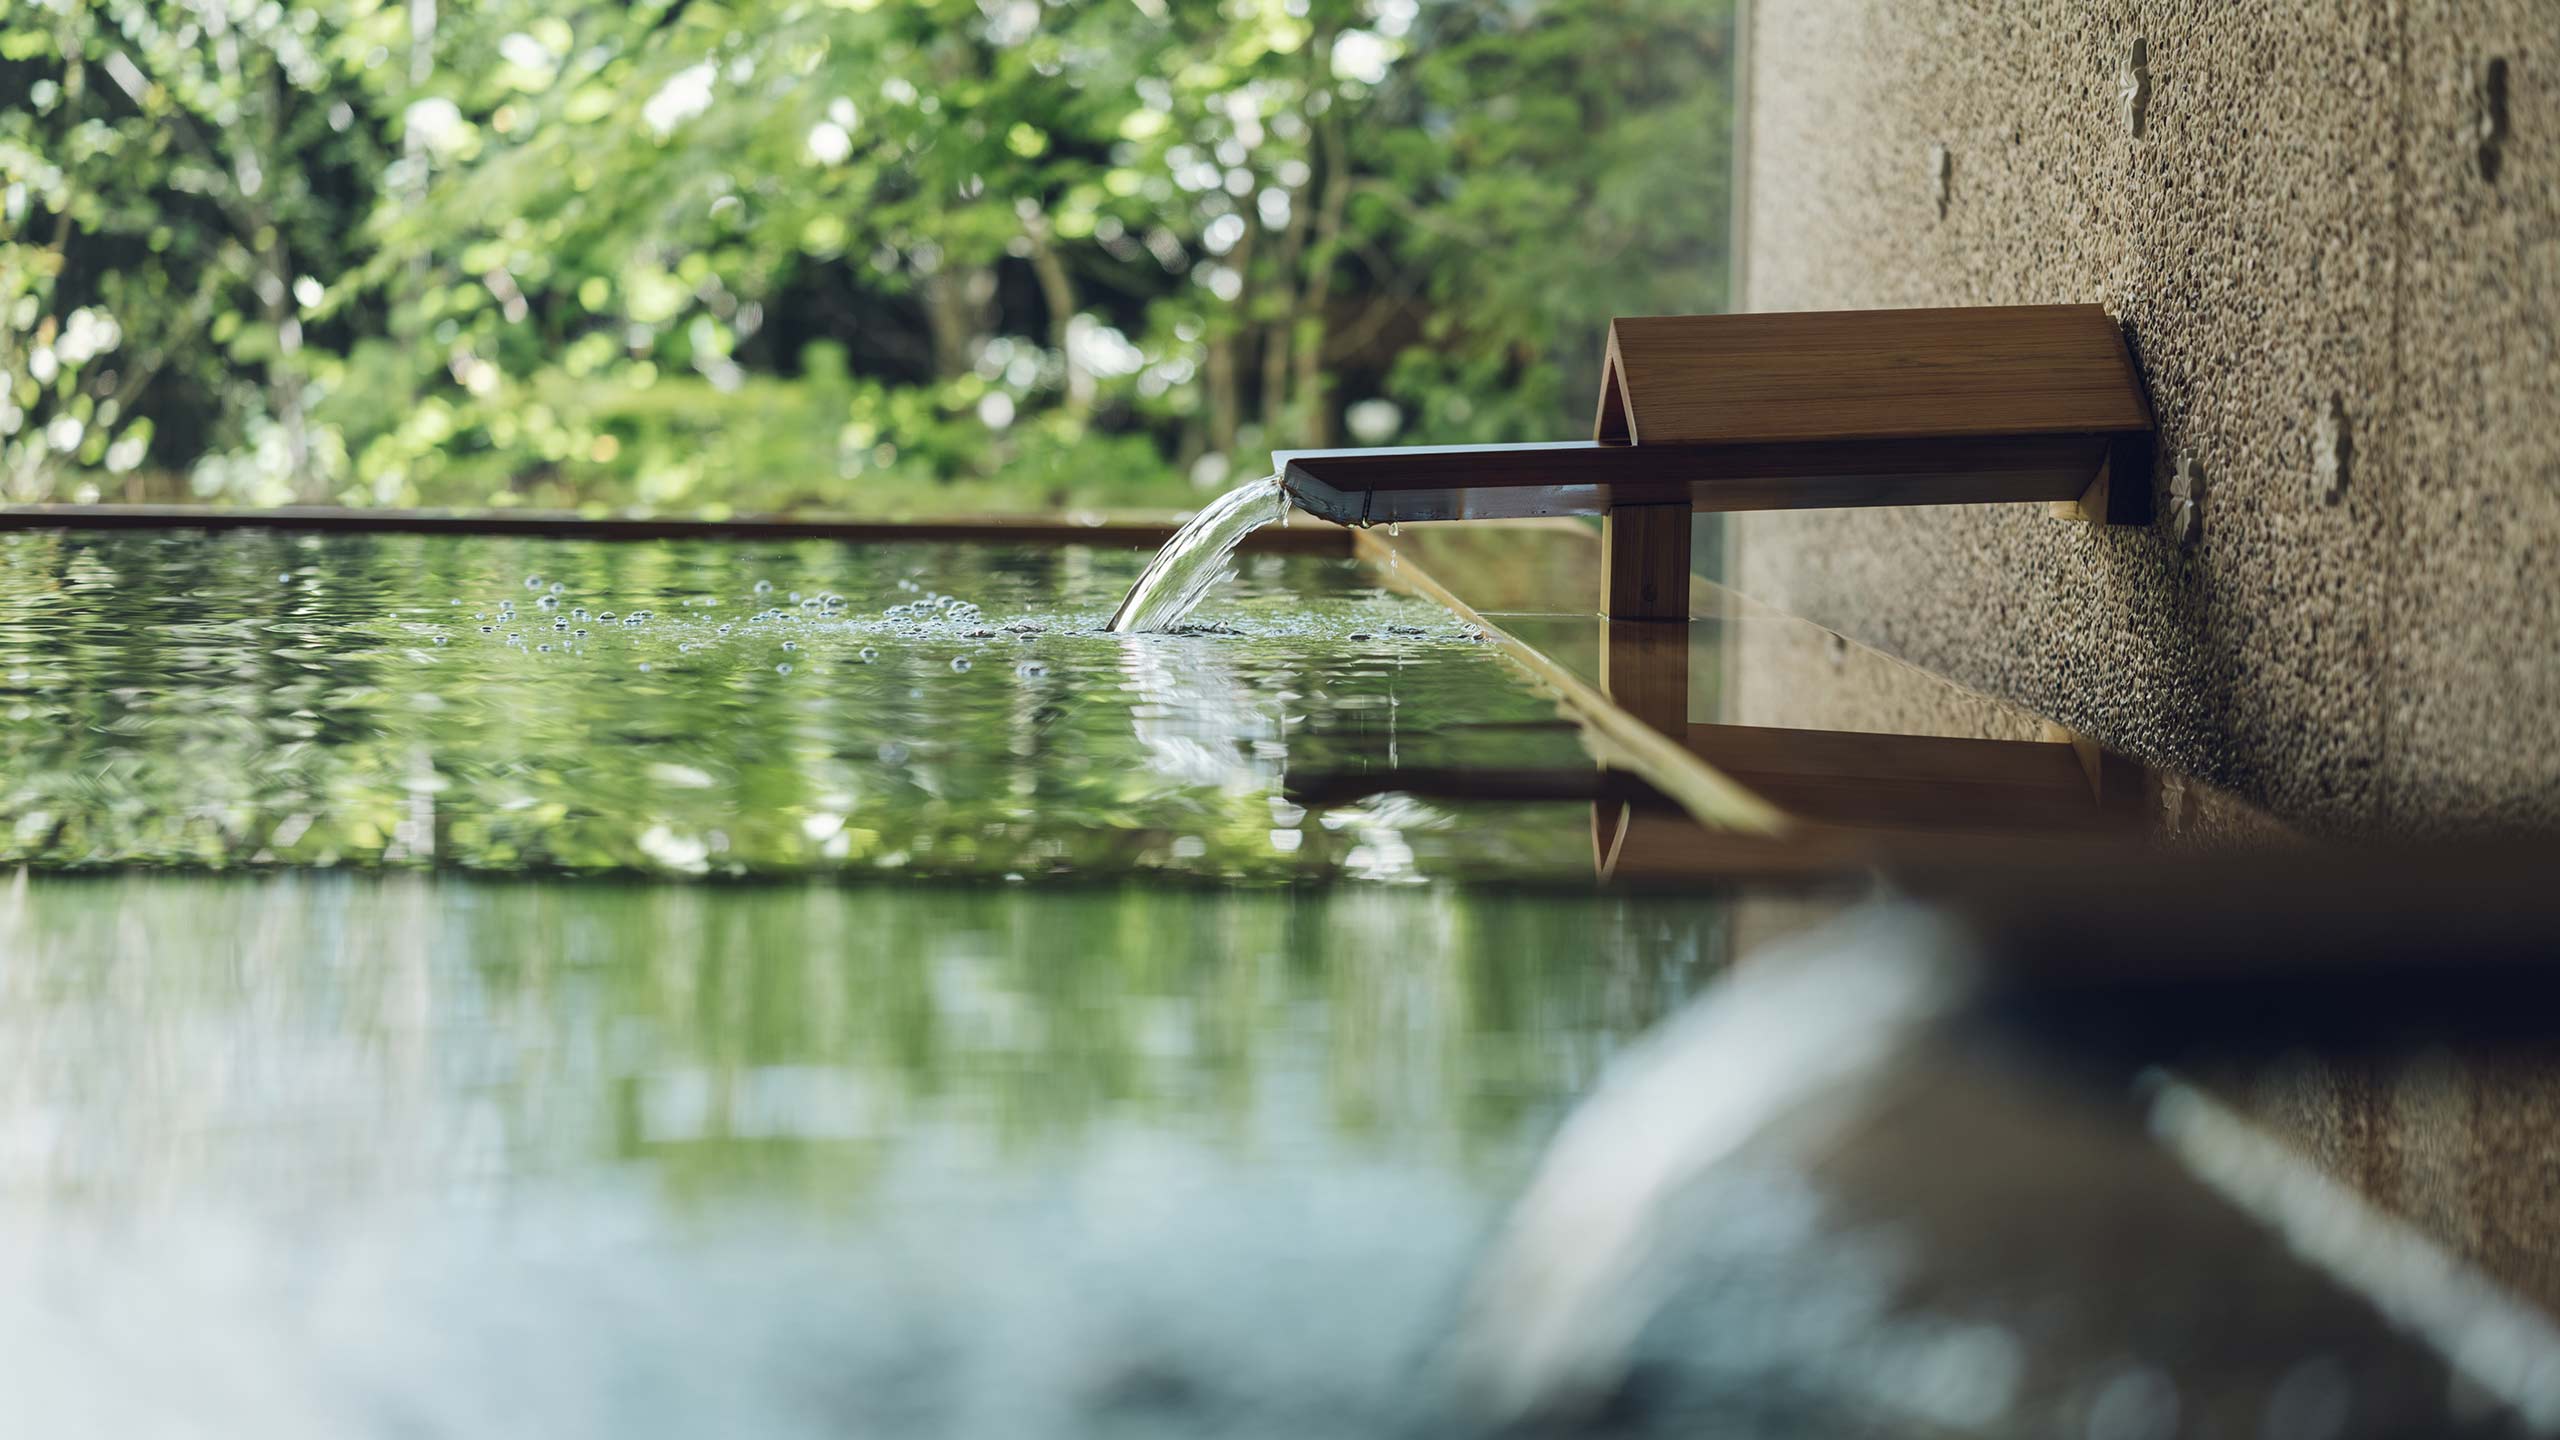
(2338, 258)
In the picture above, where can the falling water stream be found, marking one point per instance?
(1195, 559)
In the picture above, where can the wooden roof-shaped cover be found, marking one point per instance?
(1807, 410)
(1868, 375)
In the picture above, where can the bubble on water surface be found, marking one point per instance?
(790, 644)
(724, 629)
(868, 655)
(558, 586)
(604, 614)
(960, 662)
(1032, 670)
(533, 582)
(783, 668)
(644, 666)
(764, 587)
(892, 753)
(549, 602)
(285, 579)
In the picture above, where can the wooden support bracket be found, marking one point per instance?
(1644, 562)
(2121, 493)
(1644, 670)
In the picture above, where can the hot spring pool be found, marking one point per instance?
(775, 1017)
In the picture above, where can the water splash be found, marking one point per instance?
(1195, 559)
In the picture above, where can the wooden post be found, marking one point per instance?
(1644, 670)
(1644, 562)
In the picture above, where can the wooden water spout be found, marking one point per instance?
(1994, 405)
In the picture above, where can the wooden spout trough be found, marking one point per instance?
(1818, 410)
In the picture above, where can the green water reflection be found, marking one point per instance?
(302, 1041)
(182, 699)
(306, 1155)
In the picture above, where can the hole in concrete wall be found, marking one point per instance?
(2133, 83)
(2332, 452)
(2489, 116)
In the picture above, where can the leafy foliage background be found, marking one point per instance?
(870, 255)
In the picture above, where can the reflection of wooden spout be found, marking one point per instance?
(1927, 782)
(1852, 800)
(1838, 777)
(1804, 411)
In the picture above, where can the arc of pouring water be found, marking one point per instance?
(1194, 560)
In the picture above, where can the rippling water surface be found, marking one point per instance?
(703, 708)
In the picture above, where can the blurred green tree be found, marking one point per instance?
(882, 255)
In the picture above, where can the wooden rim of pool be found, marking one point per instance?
(1305, 535)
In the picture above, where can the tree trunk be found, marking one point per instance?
(284, 367)
(1315, 426)
(1278, 401)
(1225, 372)
(958, 305)
(1225, 395)
(1058, 291)
(284, 374)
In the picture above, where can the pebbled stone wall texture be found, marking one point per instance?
(2332, 230)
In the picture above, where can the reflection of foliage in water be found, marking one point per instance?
(176, 699)
(286, 1042)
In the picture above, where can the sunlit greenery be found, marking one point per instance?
(883, 255)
